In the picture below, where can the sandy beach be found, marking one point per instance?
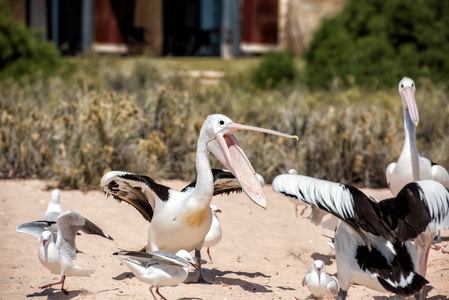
(264, 254)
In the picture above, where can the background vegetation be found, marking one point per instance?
(142, 116)
(23, 51)
(374, 42)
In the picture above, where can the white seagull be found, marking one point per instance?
(54, 210)
(56, 252)
(159, 268)
(372, 242)
(181, 220)
(318, 282)
(412, 167)
(214, 235)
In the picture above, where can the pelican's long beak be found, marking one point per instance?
(229, 152)
(408, 94)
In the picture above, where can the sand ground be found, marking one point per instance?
(264, 254)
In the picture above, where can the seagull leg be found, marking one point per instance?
(208, 253)
(198, 261)
(157, 292)
(440, 248)
(303, 210)
(296, 211)
(59, 282)
(151, 291)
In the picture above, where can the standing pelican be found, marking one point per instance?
(372, 242)
(181, 220)
(412, 167)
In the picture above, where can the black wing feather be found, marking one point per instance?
(130, 188)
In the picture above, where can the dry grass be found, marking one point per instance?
(143, 117)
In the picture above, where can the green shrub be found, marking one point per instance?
(274, 69)
(375, 43)
(22, 51)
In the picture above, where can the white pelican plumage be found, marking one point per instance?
(372, 242)
(412, 167)
(181, 219)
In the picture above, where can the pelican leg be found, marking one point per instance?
(59, 282)
(342, 295)
(198, 261)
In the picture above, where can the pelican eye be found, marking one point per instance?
(402, 85)
(222, 123)
(413, 85)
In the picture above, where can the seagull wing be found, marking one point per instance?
(137, 190)
(34, 228)
(332, 286)
(155, 257)
(306, 278)
(69, 223)
(90, 228)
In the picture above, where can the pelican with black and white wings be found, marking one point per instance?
(181, 219)
(372, 242)
(412, 167)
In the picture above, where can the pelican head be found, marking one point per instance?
(407, 91)
(222, 143)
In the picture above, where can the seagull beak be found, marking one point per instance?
(44, 241)
(408, 94)
(218, 210)
(229, 152)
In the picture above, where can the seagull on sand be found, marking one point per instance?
(214, 235)
(159, 268)
(181, 219)
(57, 251)
(318, 282)
(373, 240)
